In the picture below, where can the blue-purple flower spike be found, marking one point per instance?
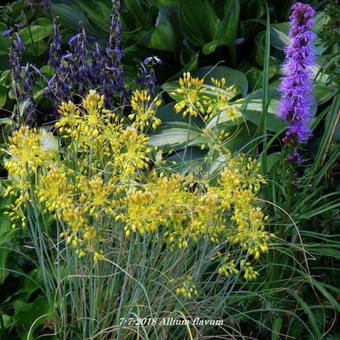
(147, 76)
(22, 84)
(114, 54)
(296, 85)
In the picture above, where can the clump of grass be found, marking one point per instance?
(124, 243)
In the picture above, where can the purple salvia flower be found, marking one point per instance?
(147, 76)
(46, 4)
(296, 85)
(152, 60)
(79, 68)
(22, 83)
(58, 91)
(7, 33)
(114, 55)
(86, 66)
(55, 47)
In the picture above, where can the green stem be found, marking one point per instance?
(187, 142)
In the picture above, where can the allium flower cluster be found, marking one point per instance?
(197, 99)
(144, 110)
(296, 85)
(105, 180)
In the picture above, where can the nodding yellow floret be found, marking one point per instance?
(190, 92)
(144, 110)
(188, 289)
(217, 101)
(249, 273)
(26, 153)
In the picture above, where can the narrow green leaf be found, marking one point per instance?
(311, 316)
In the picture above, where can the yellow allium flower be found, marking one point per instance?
(190, 91)
(144, 110)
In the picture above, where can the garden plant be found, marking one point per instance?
(169, 169)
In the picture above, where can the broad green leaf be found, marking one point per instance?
(272, 159)
(137, 10)
(27, 313)
(223, 119)
(191, 160)
(6, 232)
(4, 42)
(72, 16)
(98, 12)
(323, 92)
(253, 9)
(323, 89)
(209, 47)
(228, 27)
(279, 35)
(198, 21)
(175, 136)
(277, 324)
(5, 79)
(165, 35)
(252, 110)
(3, 96)
(37, 31)
(33, 282)
(232, 76)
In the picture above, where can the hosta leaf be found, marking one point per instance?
(3, 95)
(232, 76)
(209, 47)
(5, 79)
(136, 9)
(37, 31)
(223, 119)
(4, 42)
(27, 313)
(165, 35)
(252, 110)
(49, 141)
(228, 27)
(279, 35)
(191, 160)
(175, 136)
(71, 16)
(98, 12)
(198, 21)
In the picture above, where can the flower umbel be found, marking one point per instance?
(190, 91)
